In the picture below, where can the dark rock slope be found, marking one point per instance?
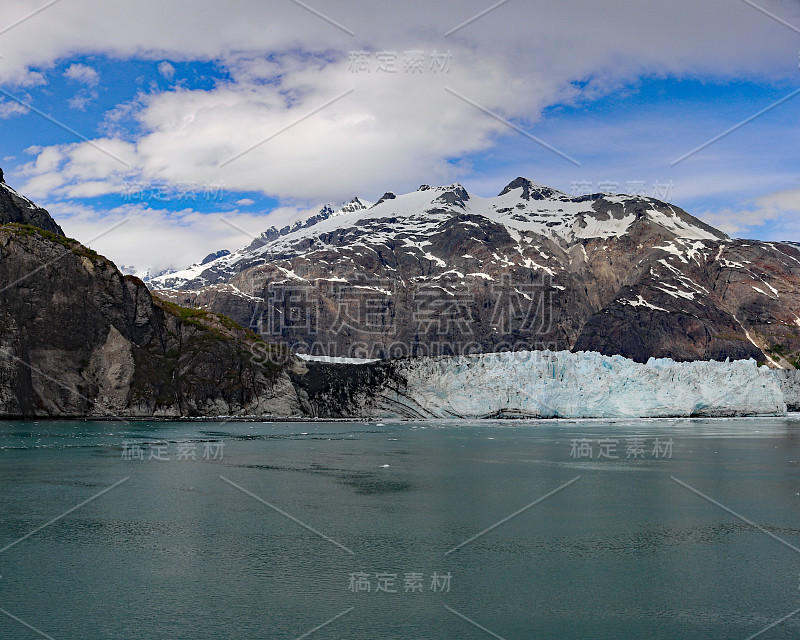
(17, 208)
(77, 338)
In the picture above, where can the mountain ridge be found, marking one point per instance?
(447, 272)
(447, 198)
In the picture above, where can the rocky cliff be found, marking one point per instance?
(77, 338)
(17, 208)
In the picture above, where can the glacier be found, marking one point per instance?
(545, 384)
(789, 380)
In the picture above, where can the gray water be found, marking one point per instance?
(177, 552)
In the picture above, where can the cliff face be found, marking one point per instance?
(77, 338)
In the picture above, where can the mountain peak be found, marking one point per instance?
(530, 190)
(454, 194)
(386, 196)
(354, 205)
(213, 256)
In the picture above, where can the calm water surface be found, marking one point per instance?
(269, 530)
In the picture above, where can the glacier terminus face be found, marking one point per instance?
(547, 384)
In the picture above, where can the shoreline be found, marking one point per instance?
(289, 420)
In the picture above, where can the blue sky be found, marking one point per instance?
(152, 110)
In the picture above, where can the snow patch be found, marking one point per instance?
(641, 302)
(334, 359)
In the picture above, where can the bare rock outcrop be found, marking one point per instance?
(77, 338)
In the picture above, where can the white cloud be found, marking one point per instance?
(393, 131)
(166, 70)
(245, 202)
(9, 108)
(157, 239)
(514, 61)
(82, 99)
(82, 73)
(781, 207)
(404, 125)
(571, 38)
(30, 78)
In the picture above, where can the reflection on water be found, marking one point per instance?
(625, 551)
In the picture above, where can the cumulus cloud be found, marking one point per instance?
(87, 76)
(29, 78)
(153, 238)
(82, 73)
(318, 127)
(166, 70)
(82, 99)
(781, 206)
(9, 108)
(279, 138)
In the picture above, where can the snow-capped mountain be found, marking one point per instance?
(522, 207)
(146, 275)
(225, 264)
(439, 270)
